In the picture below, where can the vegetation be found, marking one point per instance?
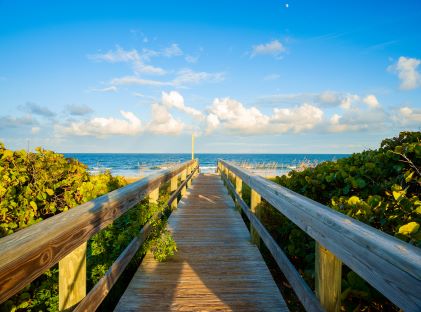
(378, 187)
(36, 186)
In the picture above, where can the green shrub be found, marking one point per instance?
(379, 187)
(36, 186)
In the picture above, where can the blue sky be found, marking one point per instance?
(244, 76)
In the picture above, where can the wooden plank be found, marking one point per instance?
(183, 178)
(173, 187)
(72, 278)
(153, 196)
(238, 185)
(26, 254)
(216, 267)
(255, 201)
(189, 170)
(390, 265)
(300, 287)
(328, 278)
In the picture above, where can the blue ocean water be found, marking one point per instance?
(132, 165)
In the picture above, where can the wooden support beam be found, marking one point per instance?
(189, 170)
(238, 185)
(153, 196)
(328, 276)
(255, 200)
(72, 278)
(173, 187)
(183, 177)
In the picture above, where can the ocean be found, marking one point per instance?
(136, 165)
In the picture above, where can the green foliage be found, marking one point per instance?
(36, 186)
(379, 187)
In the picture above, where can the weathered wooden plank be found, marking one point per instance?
(300, 287)
(216, 267)
(255, 201)
(173, 187)
(183, 177)
(153, 196)
(392, 266)
(328, 279)
(238, 185)
(26, 254)
(72, 278)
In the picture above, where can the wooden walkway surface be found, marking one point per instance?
(216, 267)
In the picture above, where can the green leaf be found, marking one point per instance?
(354, 200)
(409, 228)
(408, 176)
(49, 192)
(33, 205)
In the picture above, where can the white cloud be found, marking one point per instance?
(371, 101)
(183, 78)
(274, 48)
(39, 110)
(132, 56)
(409, 115)
(134, 80)
(188, 77)
(406, 68)
(106, 89)
(100, 127)
(35, 130)
(358, 119)
(328, 97)
(229, 114)
(348, 100)
(176, 100)
(163, 122)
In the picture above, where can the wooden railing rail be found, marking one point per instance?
(28, 253)
(391, 266)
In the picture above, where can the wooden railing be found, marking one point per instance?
(391, 266)
(28, 253)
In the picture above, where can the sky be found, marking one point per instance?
(243, 76)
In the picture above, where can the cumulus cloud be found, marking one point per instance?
(79, 110)
(229, 114)
(163, 122)
(274, 48)
(358, 119)
(406, 69)
(100, 127)
(348, 100)
(408, 116)
(371, 101)
(174, 99)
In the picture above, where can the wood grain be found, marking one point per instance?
(390, 265)
(216, 267)
(300, 287)
(328, 279)
(26, 254)
(72, 278)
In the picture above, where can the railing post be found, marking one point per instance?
(183, 178)
(254, 203)
(173, 187)
(189, 171)
(238, 185)
(328, 276)
(153, 196)
(72, 278)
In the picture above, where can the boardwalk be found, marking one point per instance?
(216, 267)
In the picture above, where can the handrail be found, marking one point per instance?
(390, 265)
(28, 253)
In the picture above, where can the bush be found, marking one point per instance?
(36, 186)
(378, 187)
